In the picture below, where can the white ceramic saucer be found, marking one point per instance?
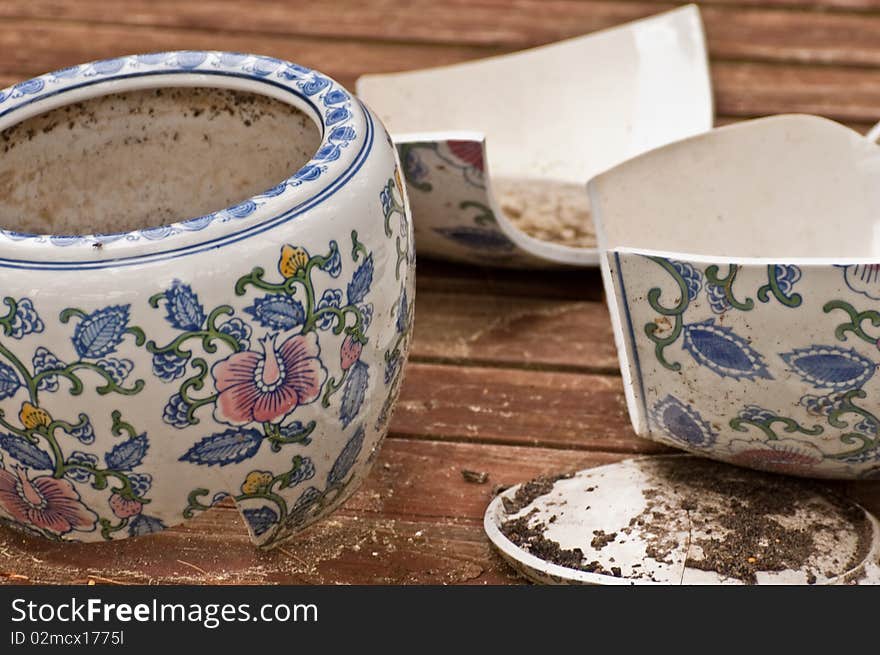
(649, 521)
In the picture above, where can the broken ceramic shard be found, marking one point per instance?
(552, 116)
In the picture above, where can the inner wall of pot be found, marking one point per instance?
(784, 187)
(146, 158)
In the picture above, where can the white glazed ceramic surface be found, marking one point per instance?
(742, 277)
(560, 113)
(254, 352)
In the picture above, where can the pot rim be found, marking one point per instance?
(347, 135)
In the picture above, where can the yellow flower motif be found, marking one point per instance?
(32, 416)
(292, 260)
(256, 481)
(398, 182)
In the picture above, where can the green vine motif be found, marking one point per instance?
(392, 206)
(676, 312)
(846, 405)
(726, 284)
(772, 287)
(7, 321)
(278, 437)
(357, 248)
(765, 425)
(266, 487)
(856, 321)
(484, 217)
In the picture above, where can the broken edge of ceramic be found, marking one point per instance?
(642, 85)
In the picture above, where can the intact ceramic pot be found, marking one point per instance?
(246, 340)
(741, 269)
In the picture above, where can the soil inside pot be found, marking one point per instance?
(550, 211)
(733, 523)
(137, 159)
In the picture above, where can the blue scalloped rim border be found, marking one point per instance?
(109, 70)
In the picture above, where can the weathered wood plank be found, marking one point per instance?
(756, 33)
(423, 479)
(514, 332)
(518, 407)
(32, 47)
(742, 88)
(213, 549)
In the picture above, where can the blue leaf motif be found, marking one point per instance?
(330, 298)
(333, 265)
(185, 312)
(9, 382)
(79, 457)
(692, 277)
(787, 275)
(140, 483)
(402, 313)
(227, 447)
(346, 459)
(830, 367)
(169, 365)
(143, 524)
(84, 433)
(342, 133)
(306, 471)
(261, 519)
(360, 282)
(277, 312)
(45, 360)
(128, 454)
(337, 115)
(175, 412)
(718, 301)
(239, 330)
(682, 423)
(354, 391)
(117, 369)
(719, 349)
(26, 319)
(478, 238)
(100, 332)
(314, 85)
(25, 452)
(367, 314)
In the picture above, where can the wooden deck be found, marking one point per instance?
(514, 374)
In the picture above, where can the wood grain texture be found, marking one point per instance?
(513, 373)
(757, 33)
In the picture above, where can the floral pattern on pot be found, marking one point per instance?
(767, 366)
(276, 390)
(451, 175)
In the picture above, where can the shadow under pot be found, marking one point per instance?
(208, 284)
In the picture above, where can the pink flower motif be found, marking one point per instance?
(268, 385)
(787, 456)
(44, 502)
(125, 507)
(350, 352)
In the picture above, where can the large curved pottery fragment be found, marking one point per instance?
(741, 269)
(553, 117)
(253, 352)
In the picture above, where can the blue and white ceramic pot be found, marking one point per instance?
(208, 330)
